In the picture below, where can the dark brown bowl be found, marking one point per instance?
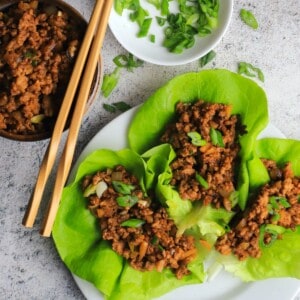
(75, 15)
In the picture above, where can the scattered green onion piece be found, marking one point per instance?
(273, 230)
(127, 62)
(110, 81)
(133, 223)
(89, 190)
(204, 60)
(127, 200)
(109, 108)
(202, 181)
(122, 187)
(216, 137)
(250, 71)
(145, 27)
(196, 138)
(154, 240)
(248, 18)
(122, 106)
(156, 3)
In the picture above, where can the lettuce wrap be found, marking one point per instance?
(216, 86)
(248, 101)
(282, 258)
(78, 240)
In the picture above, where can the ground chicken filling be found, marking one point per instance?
(139, 229)
(205, 138)
(38, 47)
(276, 209)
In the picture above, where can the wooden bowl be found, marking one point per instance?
(75, 16)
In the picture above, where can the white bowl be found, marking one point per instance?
(125, 32)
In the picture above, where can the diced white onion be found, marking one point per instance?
(101, 188)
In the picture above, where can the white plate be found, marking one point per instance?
(125, 32)
(224, 286)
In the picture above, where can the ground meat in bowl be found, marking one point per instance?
(39, 43)
(138, 228)
(205, 137)
(275, 209)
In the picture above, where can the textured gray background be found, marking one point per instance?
(30, 267)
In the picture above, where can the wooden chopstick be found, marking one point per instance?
(50, 155)
(67, 156)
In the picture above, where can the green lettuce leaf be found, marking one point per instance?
(77, 235)
(216, 86)
(282, 259)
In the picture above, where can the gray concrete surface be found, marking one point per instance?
(30, 267)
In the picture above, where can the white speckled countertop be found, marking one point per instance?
(30, 267)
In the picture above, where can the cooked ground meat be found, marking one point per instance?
(37, 52)
(149, 239)
(276, 204)
(205, 171)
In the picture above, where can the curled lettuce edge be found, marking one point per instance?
(282, 259)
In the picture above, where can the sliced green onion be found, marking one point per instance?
(122, 187)
(276, 200)
(273, 231)
(152, 38)
(121, 106)
(127, 200)
(109, 108)
(110, 81)
(250, 71)
(89, 190)
(248, 18)
(234, 198)
(164, 7)
(216, 137)
(133, 223)
(196, 138)
(161, 21)
(145, 27)
(201, 180)
(204, 60)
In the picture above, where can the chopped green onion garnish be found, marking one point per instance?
(133, 223)
(204, 60)
(202, 181)
(127, 61)
(152, 38)
(161, 21)
(121, 106)
(110, 81)
(272, 230)
(216, 137)
(196, 138)
(248, 18)
(127, 200)
(89, 190)
(250, 71)
(276, 200)
(145, 27)
(122, 187)
(109, 108)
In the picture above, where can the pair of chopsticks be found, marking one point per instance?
(86, 63)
